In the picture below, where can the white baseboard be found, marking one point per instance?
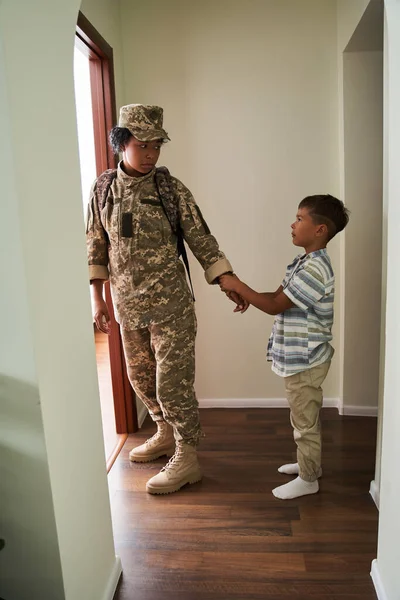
(256, 403)
(374, 491)
(243, 403)
(376, 578)
(141, 413)
(355, 411)
(113, 580)
(359, 411)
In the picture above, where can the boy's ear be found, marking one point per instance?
(322, 230)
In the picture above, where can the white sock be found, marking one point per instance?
(293, 469)
(296, 488)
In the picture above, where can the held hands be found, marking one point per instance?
(228, 284)
(241, 304)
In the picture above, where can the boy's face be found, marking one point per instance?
(141, 156)
(305, 232)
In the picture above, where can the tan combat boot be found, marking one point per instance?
(183, 468)
(160, 444)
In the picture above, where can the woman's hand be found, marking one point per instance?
(102, 316)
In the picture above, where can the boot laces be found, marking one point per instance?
(157, 437)
(174, 460)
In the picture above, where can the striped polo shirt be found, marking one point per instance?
(300, 336)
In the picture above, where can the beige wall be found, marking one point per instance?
(363, 133)
(349, 14)
(49, 381)
(250, 97)
(360, 32)
(348, 17)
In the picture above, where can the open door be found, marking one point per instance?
(96, 156)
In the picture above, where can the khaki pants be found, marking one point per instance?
(304, 394)
(161, 368)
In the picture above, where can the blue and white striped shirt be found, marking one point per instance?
(300, 336)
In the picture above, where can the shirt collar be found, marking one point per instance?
(321, 252)
(133, 181)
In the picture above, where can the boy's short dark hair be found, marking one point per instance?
(118, 137)
(328, 210)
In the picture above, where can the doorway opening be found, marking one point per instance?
(96, 114)
(366, 235)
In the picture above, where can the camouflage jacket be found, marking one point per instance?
(132, 244)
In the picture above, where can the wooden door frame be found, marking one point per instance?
(101, 66)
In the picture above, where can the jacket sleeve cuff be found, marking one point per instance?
(218, 268)
(98, 272)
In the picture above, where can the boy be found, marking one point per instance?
(130, 241)
(299, 345)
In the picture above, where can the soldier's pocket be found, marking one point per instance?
(112, 221)
(152, 227)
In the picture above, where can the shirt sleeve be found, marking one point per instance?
(198, 236)
(96, 240)
(285, 279)
(306, 287)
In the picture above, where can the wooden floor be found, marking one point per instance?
(228, 538)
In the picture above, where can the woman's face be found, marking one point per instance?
(140, 158)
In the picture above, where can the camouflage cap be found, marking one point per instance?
(145, 122)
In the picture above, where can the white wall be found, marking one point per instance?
(30, 563)
(50, 389)
(387, 571)
(375, 485)
(250, 97)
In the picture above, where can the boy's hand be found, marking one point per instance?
(241, 304)
(230, 283)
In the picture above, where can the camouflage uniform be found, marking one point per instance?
(131, 243)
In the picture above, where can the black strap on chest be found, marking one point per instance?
(169, 201)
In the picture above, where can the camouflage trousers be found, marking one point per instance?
(160, 361)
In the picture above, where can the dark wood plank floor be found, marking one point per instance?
(228, 537)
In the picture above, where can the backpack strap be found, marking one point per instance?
(168, 198)
(170, 204)
(103, 185)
